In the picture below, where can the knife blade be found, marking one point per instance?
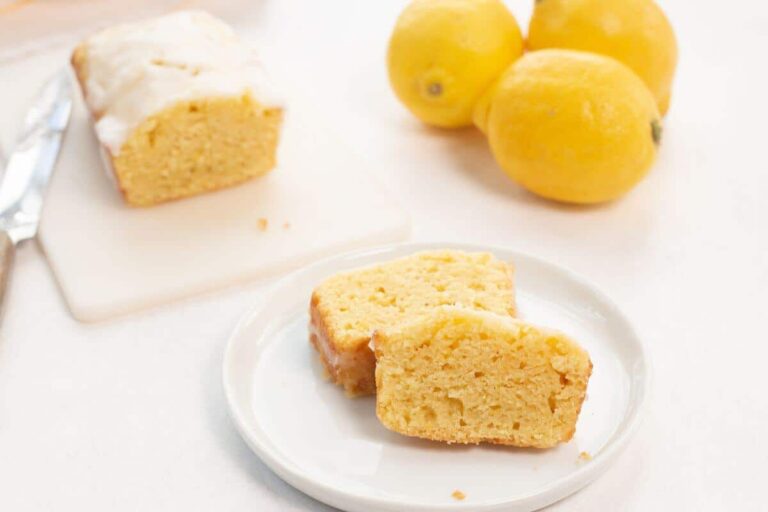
(31, 162)
(29, 168)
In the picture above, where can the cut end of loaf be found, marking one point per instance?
(197, 146)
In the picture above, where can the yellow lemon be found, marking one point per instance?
(636, 32)
(443, 54)
(572, 126)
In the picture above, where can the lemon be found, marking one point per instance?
(636, 32)
(572, 126)
(443, 54)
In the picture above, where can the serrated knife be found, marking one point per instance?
(29, 168)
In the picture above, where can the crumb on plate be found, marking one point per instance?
(585, 456)
(262, 223)
(458, 495)
(287, 225)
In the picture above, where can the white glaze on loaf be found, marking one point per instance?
(137, 69)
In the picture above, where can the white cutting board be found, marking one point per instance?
(111, 259)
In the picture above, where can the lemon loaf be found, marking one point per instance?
(465, 376)
(180, 106)
(347, 307)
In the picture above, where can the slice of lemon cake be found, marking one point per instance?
(180, 106)
(465, 376)
(347, 307)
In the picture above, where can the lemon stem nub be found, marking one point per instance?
(656, 131)
(435, 89)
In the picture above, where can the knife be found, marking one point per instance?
(29, 167)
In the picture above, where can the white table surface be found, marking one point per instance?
(129, 415)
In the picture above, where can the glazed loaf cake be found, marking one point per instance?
(180, 106)
(347, 307)
(465, 376)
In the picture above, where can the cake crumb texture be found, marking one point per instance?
(465, 376)
(347, 307)
(197, 146)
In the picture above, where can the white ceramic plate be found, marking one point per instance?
(334, 449)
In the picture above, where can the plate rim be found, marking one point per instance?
(552, 492)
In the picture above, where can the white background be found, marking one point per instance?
(129, 415)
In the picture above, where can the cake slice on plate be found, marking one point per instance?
(467, 376)
(347, 307)
(180, 106)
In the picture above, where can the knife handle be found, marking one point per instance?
(7, 252)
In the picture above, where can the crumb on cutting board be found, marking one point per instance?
(585, 456)
(458, 495)
(262, 223)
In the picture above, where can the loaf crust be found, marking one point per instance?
(353, 369)
(79, 64)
